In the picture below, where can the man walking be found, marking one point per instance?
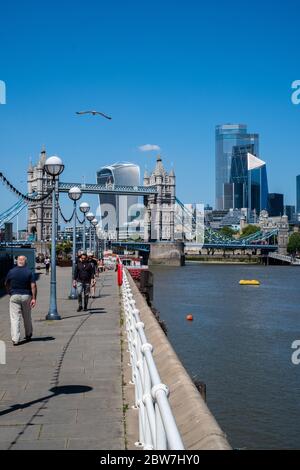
(83, 276)
(21, 286)
(47, 264)
(93, 261)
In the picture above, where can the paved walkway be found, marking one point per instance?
(63, 390)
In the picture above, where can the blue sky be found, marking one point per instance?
(166, 71)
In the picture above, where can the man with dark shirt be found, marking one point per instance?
(83, 275)
(21, 286)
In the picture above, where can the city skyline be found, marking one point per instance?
(95, 202)
(162, 85)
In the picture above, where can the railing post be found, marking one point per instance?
(161, 440)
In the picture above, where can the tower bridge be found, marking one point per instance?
(167, 221)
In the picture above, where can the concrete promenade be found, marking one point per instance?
(63, 390)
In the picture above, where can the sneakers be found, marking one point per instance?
(15, 343)
(79, 308)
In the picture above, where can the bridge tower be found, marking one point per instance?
(283, 235)
(39, 213)
(281, 223)
(160, 207)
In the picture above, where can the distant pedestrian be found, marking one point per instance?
(47, 264)
(21, 286)
(100, 266)
(83, 275)
(94, 263)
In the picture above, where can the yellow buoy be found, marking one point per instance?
(249, 282)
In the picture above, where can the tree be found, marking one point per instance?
(250, 230)
(67, 247)
(294, 243)
(227, 231)
(64, 248)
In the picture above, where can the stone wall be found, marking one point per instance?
(167, 253)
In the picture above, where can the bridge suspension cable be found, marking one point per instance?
(210, 234)
(214, 236)
(12, 212)
(25, 197)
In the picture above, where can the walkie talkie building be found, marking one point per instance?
(115, 210)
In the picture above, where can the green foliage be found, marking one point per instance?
(250, 230)
(294, 243)
(64, 248)
(67, 247)
(228, 231)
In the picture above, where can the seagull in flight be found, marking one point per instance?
(93, 113)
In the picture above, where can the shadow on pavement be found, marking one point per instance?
(97, 309)
(90, 311)
(42, 338)
(37, 339)
(56, 391)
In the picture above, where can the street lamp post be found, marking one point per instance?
(94, 223)
(74, 195)
(84, 208)
(100, 241)
(90, 216)
(54, 167)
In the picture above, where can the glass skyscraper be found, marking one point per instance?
(298, 195)
(258, 190)
(239, 176)
(229, 136)
(276, 204)
(248, 186)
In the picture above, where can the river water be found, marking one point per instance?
(239, 344)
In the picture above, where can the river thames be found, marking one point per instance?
(239, 344)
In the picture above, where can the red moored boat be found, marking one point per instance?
(134, 265)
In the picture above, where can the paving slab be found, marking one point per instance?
(63, 390)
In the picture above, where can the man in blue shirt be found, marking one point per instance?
(21, 286)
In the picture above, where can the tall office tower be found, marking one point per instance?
(290, 211)
(275, 203)
(248, 187)
(257, 185)
(116, 210)
(227, 137)
(236, 192)
(297, 195)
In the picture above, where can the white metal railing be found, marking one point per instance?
(288, 259)
(157, 426)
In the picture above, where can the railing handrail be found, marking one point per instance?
(157, 426)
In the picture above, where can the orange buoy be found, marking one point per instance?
(189, 317)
